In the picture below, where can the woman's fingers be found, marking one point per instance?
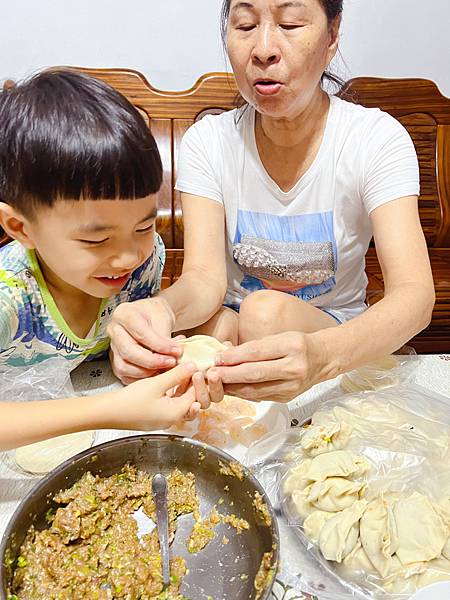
(259, 372)
(215, 387)
(136, 319)
(273, 391)
(127, 350)
(201, 390)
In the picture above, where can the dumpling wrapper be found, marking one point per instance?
(358, 560)
(41, 457)
(202, 350)
(312, 525)
(328, 437)
(335, 493)
(340, 534)
(421, 530)
(297, 479)
(379, 538)
(337, 464)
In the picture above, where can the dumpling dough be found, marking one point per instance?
(297, 478)
(339, 535)
(202, 350)
(358, 560)
(421, 531)
(319, 439)
(335, 493)
(337, 464)
(312, 525)
(379, 537)
(42, 457)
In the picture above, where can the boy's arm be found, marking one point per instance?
(145, 405)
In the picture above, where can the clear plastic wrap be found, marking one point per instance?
(47, 380)
(374, 471)
(382, 373)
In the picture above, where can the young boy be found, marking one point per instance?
(79, 173)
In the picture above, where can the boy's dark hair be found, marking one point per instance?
(64, 134)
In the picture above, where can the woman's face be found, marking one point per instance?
(279, 50)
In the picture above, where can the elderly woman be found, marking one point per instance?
(281, 198)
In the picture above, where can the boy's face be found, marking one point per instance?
(93, 245)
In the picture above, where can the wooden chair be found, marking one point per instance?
(416, 103)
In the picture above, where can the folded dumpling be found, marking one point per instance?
(312, 525)
(298, 478)
(327, 437)
(358, 560)
(339, 463)
(335, 493)
(422, 532)
(378, 532)
(340, 534)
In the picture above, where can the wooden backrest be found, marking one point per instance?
(417, 103)
(425, 112)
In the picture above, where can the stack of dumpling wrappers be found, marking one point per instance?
(370, 486)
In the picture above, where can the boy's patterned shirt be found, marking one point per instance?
(31, 327)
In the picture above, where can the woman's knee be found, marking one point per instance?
(260, 312)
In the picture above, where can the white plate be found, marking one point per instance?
(234, 424)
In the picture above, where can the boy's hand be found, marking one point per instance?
(141, 343)
(152, 404)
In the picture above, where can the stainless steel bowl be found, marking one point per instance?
(215, 571)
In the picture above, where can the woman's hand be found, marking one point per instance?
(277, 367)
(155, 403)
(141, 343)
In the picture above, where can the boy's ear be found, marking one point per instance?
(15, 225)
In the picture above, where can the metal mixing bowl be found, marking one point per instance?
(220, 571)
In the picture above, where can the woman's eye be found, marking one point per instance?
(248, 27)
(289, 26)
(146, 229)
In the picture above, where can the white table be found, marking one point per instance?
(432, 372)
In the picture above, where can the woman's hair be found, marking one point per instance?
(332, 8)
(66, 135)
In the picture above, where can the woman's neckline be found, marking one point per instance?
(286, 196)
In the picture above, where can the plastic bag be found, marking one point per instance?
(43, 381)
(403, 434)
(47, 380)
(382, 373)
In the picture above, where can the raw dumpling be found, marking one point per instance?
(337, 464)
(339, 535)
(319, 439)
(421, 531)
(297, 478)
(379, 537)
(335, 493)
(358, 560)
(312, 525)
(202, 350)
(302, 507)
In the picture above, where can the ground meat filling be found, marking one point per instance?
(92, 549)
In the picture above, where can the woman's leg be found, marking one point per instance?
(223, 326)
(268, 312)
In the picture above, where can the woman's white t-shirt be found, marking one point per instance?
(310, 241)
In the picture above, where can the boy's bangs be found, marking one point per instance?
(66, 135)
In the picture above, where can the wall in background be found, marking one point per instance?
(174, 42)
